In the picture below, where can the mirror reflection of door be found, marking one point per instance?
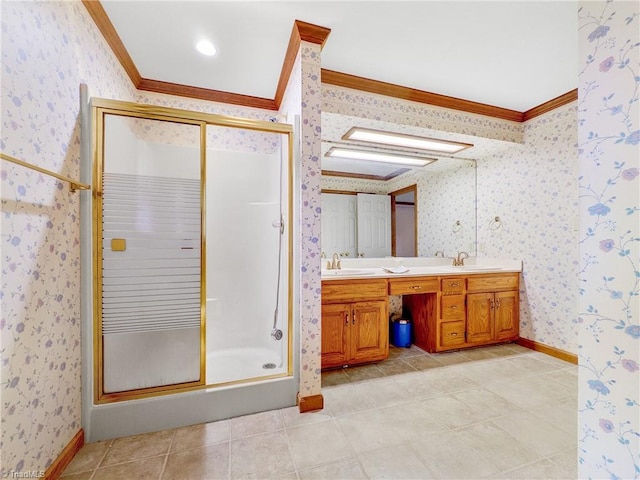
(403, 222)
(338, 225)
(374, 225)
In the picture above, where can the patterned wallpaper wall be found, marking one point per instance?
(48, 50)
(379, 107)
(532, 188)
(44, 60)
(609, 240)
(310, 199)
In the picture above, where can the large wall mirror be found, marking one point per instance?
(431, 208)
(440, 198)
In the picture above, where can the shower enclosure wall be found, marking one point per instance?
(193, 296)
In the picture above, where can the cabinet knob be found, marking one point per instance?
(416, 287)
(454, 285)
(454, 334)
(346, 318)
(353, 317)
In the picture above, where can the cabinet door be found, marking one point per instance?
(506, 315)
(480, 323)
(369, 331)
(335, 334)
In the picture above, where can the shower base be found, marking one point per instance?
(231, 365)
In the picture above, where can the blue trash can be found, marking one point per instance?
(400, 334)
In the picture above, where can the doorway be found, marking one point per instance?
(404, 219)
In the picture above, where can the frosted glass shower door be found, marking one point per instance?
(151, 315)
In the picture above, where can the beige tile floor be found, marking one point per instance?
(501, 412)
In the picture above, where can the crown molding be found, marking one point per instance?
(405, 93)
(303, 31)
(550, 105)
(180, 90)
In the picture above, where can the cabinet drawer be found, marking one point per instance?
(492, 283)
(452, 307)
(416, 285)
(451, 333)
(452, 286)
(353, 290)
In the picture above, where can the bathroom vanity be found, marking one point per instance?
(450, 308)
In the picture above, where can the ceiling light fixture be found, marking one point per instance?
(403, 140)
(370, 156)
(205, 47)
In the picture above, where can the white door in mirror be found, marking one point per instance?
(374, 225)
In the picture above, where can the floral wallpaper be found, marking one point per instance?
(535, 188)
(362, 185)
(359, 104)
(310, 199)
(531, 189)
(44, 60)
(446, 213)
(609, 239)
(218, 138)
(48, 50)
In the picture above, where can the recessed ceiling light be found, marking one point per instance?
(402, 140)
(205, 47)
(383, 157)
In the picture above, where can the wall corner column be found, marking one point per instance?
(300, 93)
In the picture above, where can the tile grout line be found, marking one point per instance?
(166, 458)
(353, 453)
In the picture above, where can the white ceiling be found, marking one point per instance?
(509, 54)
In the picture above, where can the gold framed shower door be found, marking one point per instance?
(100, 109)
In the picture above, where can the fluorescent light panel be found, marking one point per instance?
(402, 140)
(369, 156)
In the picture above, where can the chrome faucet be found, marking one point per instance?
(459, 260)
(335, 263)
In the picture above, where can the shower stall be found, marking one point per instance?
(246, 268)
(192, 293)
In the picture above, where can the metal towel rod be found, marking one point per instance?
(73, 184)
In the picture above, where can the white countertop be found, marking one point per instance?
(353, 268)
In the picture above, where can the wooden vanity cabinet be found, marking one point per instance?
(355, 326)
(492, 309)
(447, 313)
(470, 311)
(451, 318)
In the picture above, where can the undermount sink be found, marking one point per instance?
(346, 272)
